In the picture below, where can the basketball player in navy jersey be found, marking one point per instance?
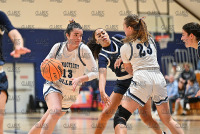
(107, 50)
(19, 49)
(191, 37)
(61, 94)
(145, 69)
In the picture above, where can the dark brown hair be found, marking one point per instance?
(94, 47)
(71, 26)
(193, 28)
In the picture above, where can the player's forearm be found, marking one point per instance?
(102, 79)
(16, 38)
(83, 78)
(129, 70)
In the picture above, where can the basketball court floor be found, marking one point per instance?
(85, 123)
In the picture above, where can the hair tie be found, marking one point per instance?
(71, 21)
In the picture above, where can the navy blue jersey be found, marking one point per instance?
(5, 25)
(108, 56)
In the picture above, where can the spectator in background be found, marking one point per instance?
(181, 95)
(172, 91)
(190, 92)
(173, 72)
(187, 73)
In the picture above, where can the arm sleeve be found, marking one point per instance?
(124, 54)
(91, 66)
(4, 20)
(102, 62)
(53, 51)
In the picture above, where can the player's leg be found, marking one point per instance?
(54, 103)
(145, 114)
(3, 98)
(162, 104)
(165, 116)
(116, 96)
(36, 129)
(123, 113)
(108, 112)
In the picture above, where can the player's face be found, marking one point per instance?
(187, 39)
(102, 37)
(75, 37)
(128, 30)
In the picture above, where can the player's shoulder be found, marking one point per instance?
(84, 47)
(126, 45)
(2, 13)
(58, 44)
(118, 38)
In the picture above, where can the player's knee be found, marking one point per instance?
(121, 116)
(107, 114)
(146, 119)
(55, 112)
(166, 120)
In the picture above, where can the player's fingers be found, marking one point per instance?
(115, 65)
(12, 53)
(74, 86)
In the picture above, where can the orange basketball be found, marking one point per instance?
(51, 69)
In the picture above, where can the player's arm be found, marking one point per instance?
(52, 53)
(102, 84)
(92, 71)
(125, 59)
(15, 37)
(18, 42)
(102, 79)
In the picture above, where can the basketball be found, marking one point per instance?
(51, 69)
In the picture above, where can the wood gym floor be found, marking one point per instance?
(84, 123)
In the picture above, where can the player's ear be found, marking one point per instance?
(191, 36)
(131, 28)
(67, 35)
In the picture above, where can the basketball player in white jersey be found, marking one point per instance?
(191, 37)
(147, 82)
(107, 50)
(60, 95)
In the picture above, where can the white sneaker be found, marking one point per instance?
(188, 106)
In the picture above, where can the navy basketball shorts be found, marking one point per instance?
(4, 83)
(121, 86)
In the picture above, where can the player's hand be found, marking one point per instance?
(105, 98)
(75, 83)
(19, 51)
(118, 63)
(198, 94)
(178, 100)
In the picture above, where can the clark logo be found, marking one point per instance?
(97, 13)
(14, 13)
(42, 13)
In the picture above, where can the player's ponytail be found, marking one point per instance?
(71, 26)
(139, 26)
(94, 47)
